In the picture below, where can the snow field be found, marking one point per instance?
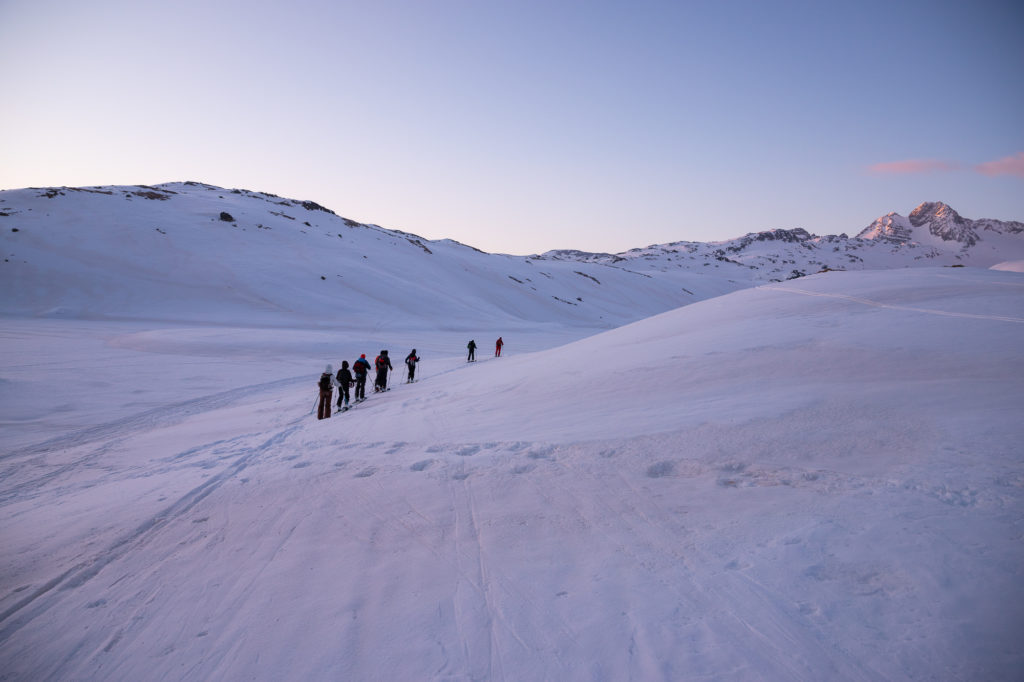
(813, 480)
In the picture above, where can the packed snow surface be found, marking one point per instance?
(819, 479)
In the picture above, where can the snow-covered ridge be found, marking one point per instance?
(193, 251)
(935, 219)
(934, 235)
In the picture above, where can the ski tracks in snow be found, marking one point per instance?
(480, 643)
(28, 478)
(26, 471)
(42, 598)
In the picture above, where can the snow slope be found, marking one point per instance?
(164, 253)
(817, 479)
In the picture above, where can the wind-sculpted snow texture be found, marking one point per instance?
(811, 480)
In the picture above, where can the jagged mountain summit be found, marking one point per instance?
(193, 251)
(943, 222)
(938, 223)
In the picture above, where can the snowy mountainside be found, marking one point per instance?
(933, 235)
(192, 251)
(983, 242)
(189, 251)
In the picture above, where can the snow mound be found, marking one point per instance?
(1009, 266)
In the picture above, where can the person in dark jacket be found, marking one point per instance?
(360, 367)
(383, 364)
(326, 383)
(410, 361)
(497, 347)
(344, 381)
(472, 351)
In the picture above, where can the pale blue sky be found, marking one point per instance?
(522, 126)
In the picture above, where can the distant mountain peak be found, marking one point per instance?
(935, 212)
(945, 223)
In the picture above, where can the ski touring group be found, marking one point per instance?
(347, 377)
(471, 347)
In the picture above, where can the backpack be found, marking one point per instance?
(325, 382)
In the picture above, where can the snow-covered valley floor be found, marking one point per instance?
(816, 480)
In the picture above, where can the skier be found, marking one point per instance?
(472, 351)
(383, 364)
(497, 347)
(344, 381)
(410, 361)
(361, 367)
(326, 383)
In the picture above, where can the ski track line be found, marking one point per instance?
(876, 304)
(81, 573)
(34, 487)
(464, 504)
(463, 525)
(456, 605)
(157, 416)
(476, 583)
(506, 585)
(493, 613)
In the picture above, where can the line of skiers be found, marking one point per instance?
(346, 377)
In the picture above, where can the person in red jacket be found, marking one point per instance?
(497, 347)
(360, 368)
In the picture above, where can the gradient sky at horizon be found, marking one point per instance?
(522, 126)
